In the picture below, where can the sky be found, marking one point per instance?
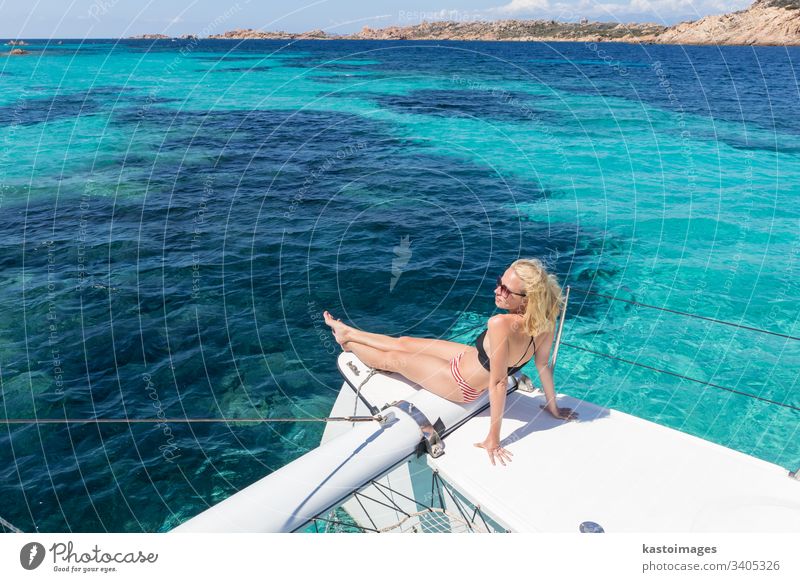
(121, 18)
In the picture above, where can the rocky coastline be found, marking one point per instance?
(765, 22)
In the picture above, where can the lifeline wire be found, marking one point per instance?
(185, 420)
(695, 316)
(747, 327)
(684, 377)
(377, 417)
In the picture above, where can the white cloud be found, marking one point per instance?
(652, 10)
(525, 6)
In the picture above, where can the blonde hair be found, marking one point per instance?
(545, 299)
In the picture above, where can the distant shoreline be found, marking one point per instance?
(33, 41)
(516, 41)
(764, 23)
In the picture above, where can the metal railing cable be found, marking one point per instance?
(693, 315)
(666, 309)
(684, 377)
(463, 332)
(184, 420)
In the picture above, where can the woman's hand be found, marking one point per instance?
(561, 413)
(492, 446)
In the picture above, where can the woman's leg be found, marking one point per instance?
(385, 343)
(345, 333)
(416, 345)
(442, 349)
(430, 372)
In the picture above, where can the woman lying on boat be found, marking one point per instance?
(461, 373)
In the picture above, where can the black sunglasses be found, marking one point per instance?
(505, 290)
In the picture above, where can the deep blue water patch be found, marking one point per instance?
(346, 79)
(227, 58)
(499, 105)
(727, 84)
(241, 69)
(333, 66)
(29, 111)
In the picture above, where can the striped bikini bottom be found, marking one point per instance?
(468, 392)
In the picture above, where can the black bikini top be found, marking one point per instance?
(484, 359)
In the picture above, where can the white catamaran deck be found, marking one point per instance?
(621, 472)
(608, 468)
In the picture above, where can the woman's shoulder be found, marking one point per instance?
(502, 322)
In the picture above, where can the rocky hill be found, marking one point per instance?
(249, 33)
(522, 30)
(774, 22)
(765, 22)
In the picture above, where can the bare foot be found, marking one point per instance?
(338, 327)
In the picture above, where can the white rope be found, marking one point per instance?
(9, 526)
(435, 520)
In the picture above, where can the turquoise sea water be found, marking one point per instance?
(174, 216)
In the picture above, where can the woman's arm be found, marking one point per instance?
(546, 372)
(546, 376)
(498, 372)
(498, 332)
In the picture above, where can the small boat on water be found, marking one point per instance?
(402, 459)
